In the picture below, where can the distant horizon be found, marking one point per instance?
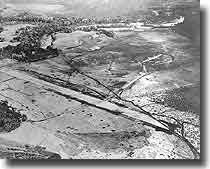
(80, 8)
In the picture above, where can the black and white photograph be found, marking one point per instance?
(100, 79)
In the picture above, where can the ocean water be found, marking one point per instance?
(168, 10)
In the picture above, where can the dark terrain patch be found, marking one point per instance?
(183, 99)
(27, 152)
(115, 140)
(9, 118)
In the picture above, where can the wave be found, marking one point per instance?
(168, 24)
(174, 22)
(135, 26)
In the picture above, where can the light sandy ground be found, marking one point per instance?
(81, 129)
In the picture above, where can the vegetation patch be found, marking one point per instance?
(1, 29)
(30, 37)
(10, 119)
(27, 152)
(181, 99)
